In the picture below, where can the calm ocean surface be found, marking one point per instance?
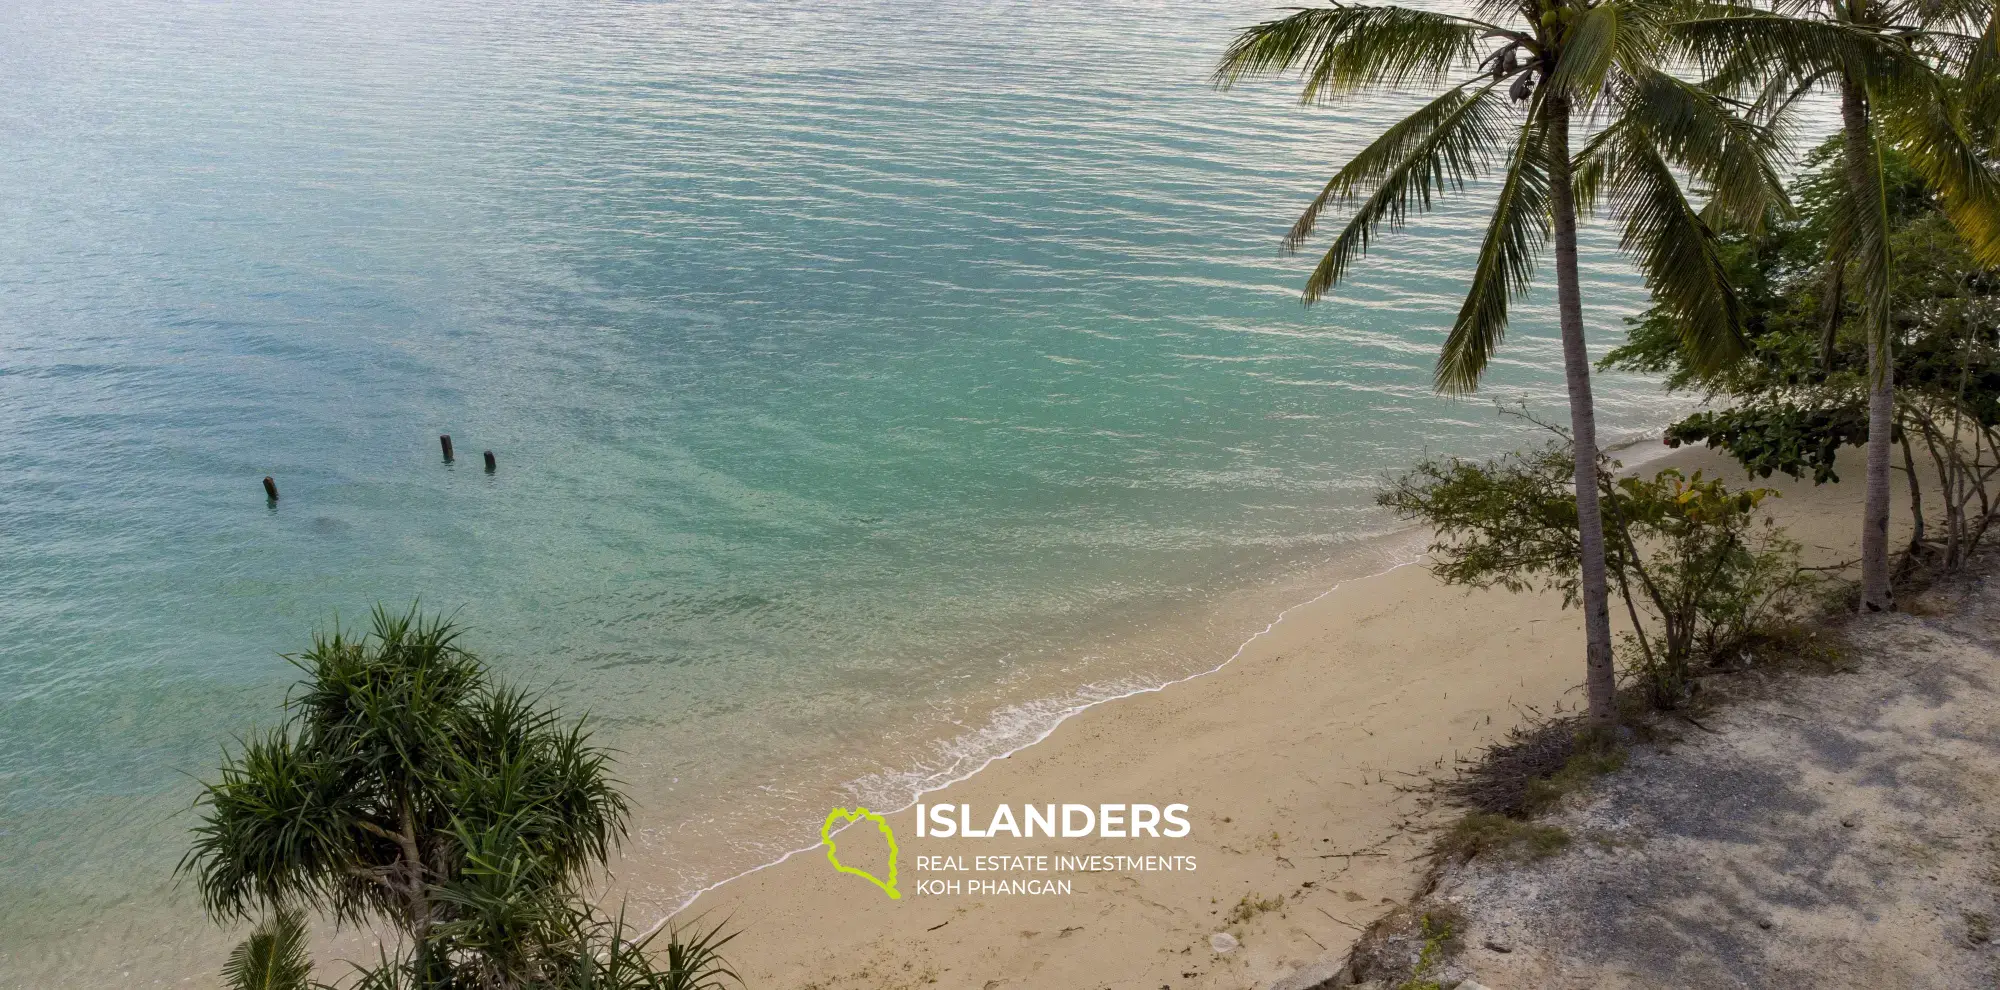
(871, 383)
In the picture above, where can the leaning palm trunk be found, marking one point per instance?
(1600, 680)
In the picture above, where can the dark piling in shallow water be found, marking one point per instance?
(270, 488)
(444, 441)
(490, 465)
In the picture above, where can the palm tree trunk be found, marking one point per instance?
(1875, 595)
(1916, 494)
(1600, 680)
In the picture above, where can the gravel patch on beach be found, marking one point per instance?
(1839, 829)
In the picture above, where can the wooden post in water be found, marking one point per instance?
(270, 488)
(444, 440)
(489, 462)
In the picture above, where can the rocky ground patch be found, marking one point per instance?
(1830, 824)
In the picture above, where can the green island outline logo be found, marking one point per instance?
(845, 816)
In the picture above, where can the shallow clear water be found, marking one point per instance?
(871, 381)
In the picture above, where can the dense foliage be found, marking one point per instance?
(1697, 571)
(1801, 395)
(407, 788)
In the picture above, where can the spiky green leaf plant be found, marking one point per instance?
(274, 957)
(407, 789)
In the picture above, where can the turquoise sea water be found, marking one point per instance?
(871, 382)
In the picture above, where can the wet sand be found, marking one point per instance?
(1299, 762)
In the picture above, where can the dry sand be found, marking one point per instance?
(1298, 760)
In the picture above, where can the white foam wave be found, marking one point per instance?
(1009, 731)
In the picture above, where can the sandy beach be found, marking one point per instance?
(1299, 762)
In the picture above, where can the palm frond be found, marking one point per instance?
(694, 957)
(1780, 97)
(1343, 48)
(1587, 55)
(1732, 45)
(278, 823)
(1696, 130)
(1940, 15)
(1388, 154)
(1587, 167)
(1743, 75)
(1514, 237)
(274, 957)
(1437, 148)
(1981, 78)
(1674, 248)
(1949, 52)
(1928, 133)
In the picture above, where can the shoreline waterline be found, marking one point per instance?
(1302, 762)
(1045, 733)
(947, 380)
(1401, 544)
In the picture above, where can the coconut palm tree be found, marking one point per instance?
(1518, 81)
(1916, 73)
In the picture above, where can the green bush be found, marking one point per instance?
(1698, 566)
(1712, 571)
(1801, 395)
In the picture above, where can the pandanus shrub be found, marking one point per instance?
(408, 790)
